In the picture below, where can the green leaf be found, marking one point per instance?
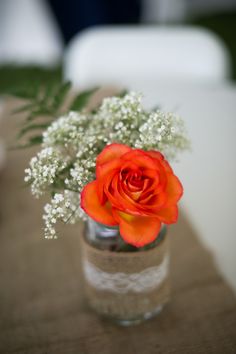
(122, 93)
(30, 127)
(25, 91)
(24, 108)
(41, 111)
(47, 93)
(156, 108)
(60, 95)
(35, 140)
(82, 99)
(53, 193)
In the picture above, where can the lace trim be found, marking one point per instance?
(147, 280)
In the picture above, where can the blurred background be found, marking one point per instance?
(180, 53)
(36, 33)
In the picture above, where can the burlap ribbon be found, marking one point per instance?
(126, 285)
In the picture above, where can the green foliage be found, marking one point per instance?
(82, 99)
(31, 127)
(18, 80)
(34, 140)
(43, 103)
(58, 98)
(31, 141)
(44, 100)
(122, 93)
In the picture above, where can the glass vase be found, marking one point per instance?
(122, 282)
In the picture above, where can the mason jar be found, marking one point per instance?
(122, 282)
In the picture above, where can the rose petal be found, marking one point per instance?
(92, 206)
(158, 156)
(174, 189)
(138, 231)
(110, 186)
(154, 201)
(168, 215)
(111, 152)
(108, 168)
(122, 200)
(127, 201)
(108, 161)
(140, 158)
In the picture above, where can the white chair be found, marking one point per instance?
(28, 33)
(136, 56)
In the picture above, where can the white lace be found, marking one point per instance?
(149, 279)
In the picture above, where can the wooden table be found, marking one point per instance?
(42, 304)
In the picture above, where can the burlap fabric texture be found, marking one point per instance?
(126, 285)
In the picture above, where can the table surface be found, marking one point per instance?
(42, 304)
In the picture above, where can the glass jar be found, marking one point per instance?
(124, 283)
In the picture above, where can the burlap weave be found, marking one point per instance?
(129, 305)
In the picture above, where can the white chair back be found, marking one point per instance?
(28, 33)
(139, 55)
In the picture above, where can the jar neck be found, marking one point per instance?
(101, 231)
(108, 238)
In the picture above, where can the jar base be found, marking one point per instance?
(137, 320)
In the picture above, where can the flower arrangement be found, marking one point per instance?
(110, 164)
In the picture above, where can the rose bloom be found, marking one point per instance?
(134, 189)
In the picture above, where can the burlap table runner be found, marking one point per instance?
(42, 302)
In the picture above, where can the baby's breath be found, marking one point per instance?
(71, 144)
(64, 207)
(67, 131)
(164, 132)
(44, 169)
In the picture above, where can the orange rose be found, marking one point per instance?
(134, 189)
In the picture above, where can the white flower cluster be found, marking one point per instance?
(120, 118)
(67, 131)
(43, 170)
(71, 144)
(125, 121)
(64, 207)
(164, 132)
(81, 174)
